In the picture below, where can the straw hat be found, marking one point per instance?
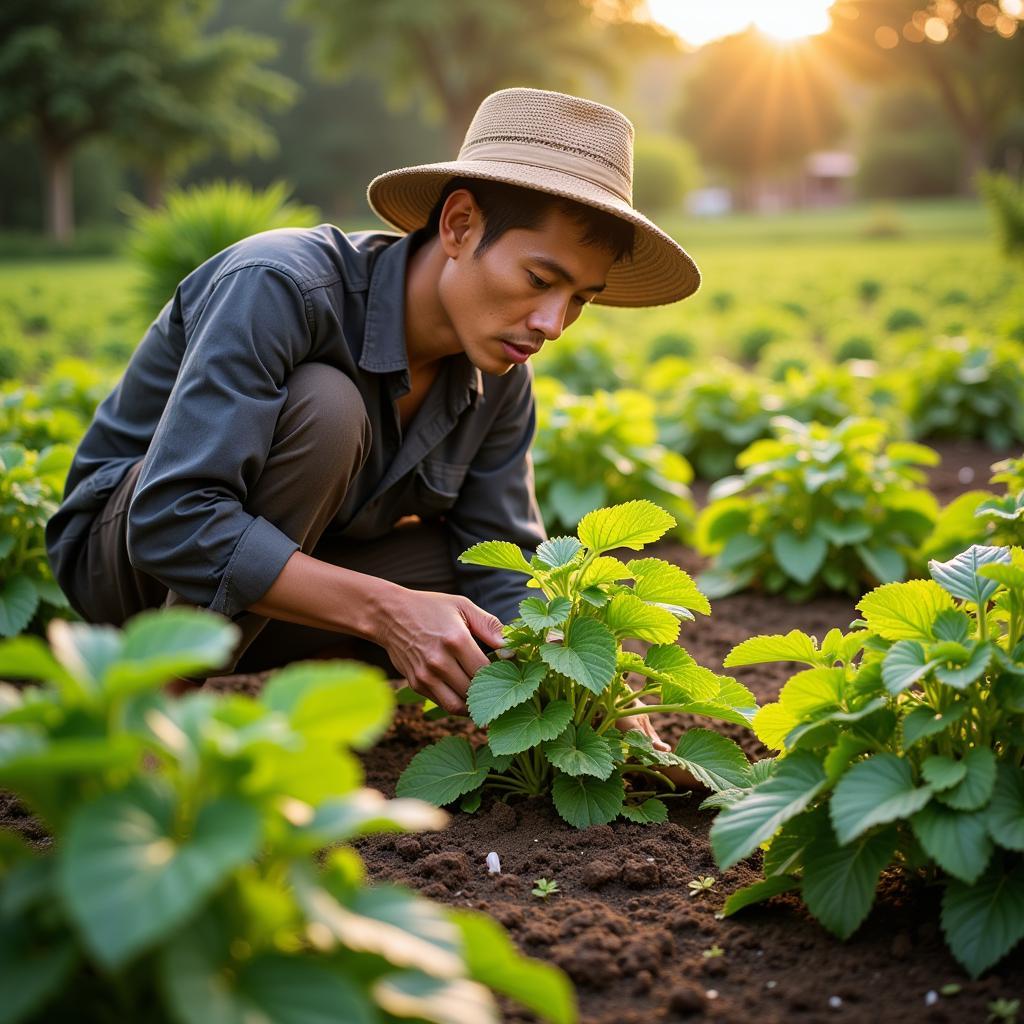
(565, 146)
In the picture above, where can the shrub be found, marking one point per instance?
(1005, 200)
(550, 703)
(181, 884)
(855, 346)
(601, 449)
(672, 343)
(819, 394)
(903, 318)
(868, 289)
(908, 760)
(666, 169)
(197, 223)
(583, 363)
(31, 485)
(817, 508)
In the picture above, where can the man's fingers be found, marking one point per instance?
(447, 698)
(483, 625)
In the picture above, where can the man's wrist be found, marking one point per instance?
(372, 613)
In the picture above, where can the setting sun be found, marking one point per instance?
(699, 23)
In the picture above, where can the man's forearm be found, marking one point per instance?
(315, 593)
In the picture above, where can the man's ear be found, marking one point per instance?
(460, 224)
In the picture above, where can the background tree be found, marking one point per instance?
(970, 53)
(453, 53)
(73, 70)
(752, 106)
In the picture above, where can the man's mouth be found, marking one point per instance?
(519, 352)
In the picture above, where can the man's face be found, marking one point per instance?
(525, 289)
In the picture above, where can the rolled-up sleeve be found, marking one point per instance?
(497, 502)
(187, 523)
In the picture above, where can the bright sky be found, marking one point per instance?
(700, 21)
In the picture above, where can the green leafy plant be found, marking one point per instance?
(1005, 200)
(601, 449)
(817, 508)
(701, 885)
(901, 747)
(181, 884)
(1003, 1010)
(197, 223)
(550, 704)
(31, 484)
(712, 952)
(544, 887)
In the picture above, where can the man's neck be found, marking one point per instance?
(429, 336)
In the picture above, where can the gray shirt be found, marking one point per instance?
(200, 399)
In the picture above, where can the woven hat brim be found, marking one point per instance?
(659, 272)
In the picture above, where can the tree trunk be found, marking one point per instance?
(975, 161)
(60, 217)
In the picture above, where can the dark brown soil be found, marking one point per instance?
(623, 925)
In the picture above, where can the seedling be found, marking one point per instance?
(544, 887)
(1004, 1010)
(910, 756)
(701, 885)
(551, 709)
(713, 953)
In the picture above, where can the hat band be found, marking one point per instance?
(562, 160)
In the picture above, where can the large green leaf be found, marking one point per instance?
(962, 671)
(159, 645)
(813, 690)
(885, 563)
(526, 726)
(959, 576)
(975, 789)
(794, 646)
(583, 800)
(604, 569)
(28, 657)
(544, 615)
(839, 881)
(85, 651)
(558, 551)
(18, 602)
(405, 994)
(630, 525)
(31, 973)
(785, 852)
(442, 772)
(665, 583)
(493, 960)
(925, 721)
(581, 751)
(714, 760)
(904, 663)
(1006, 811)
(957, 840)
(586, 655)
(984, 921)
(497, 554)
(628, 616)
(799, 557)
(127, 880)
(758, 892)
(740, 829)
(651, 812)
(500, 686)
(874, 792)
(941, 772)
(363, 812)
(904, 611)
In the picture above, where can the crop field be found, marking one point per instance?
(788, 515)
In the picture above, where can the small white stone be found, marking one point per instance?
(770, 984)
(712, 993)
(931, 998)
(493, 864)
(835, 1002)
(650, 860)
(965, 474)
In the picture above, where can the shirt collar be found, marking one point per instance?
(384, 349)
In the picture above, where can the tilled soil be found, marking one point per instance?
(637, 946)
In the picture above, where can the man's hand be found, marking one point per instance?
(430, 639)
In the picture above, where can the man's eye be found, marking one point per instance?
(537, 282)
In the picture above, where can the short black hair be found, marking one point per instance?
(507, 207)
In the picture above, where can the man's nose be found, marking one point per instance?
(548, 320)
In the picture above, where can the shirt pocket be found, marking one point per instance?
(436, 485)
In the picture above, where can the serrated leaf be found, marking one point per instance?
(813, 690)
(442, 772)
(956, 840)
(713, 759)
(839, 881)
(984, 921)
(604, 569)
(1010, 576)
(905, 663)
(740, 829)
(875, 792)
(799, 557)
(581, 751)
(975, 790)
(497, 554)
(885, 563)
(904, 611)
(543, 615)
(628, 616)
(558, 551)
(952, 626)
(794, 646)
(941, 772)
(665, 583)
(961, 675)
(500, 686)
(959, 576)
(526, 726)
(630, 525)
(18, 602)
(584, 801)
(651, 812)
(772, 724)
(587, 655)
(1005, 812)
(759, 892)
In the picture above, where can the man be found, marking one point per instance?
(316, 425)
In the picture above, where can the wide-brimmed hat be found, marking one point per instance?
(565, 146)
